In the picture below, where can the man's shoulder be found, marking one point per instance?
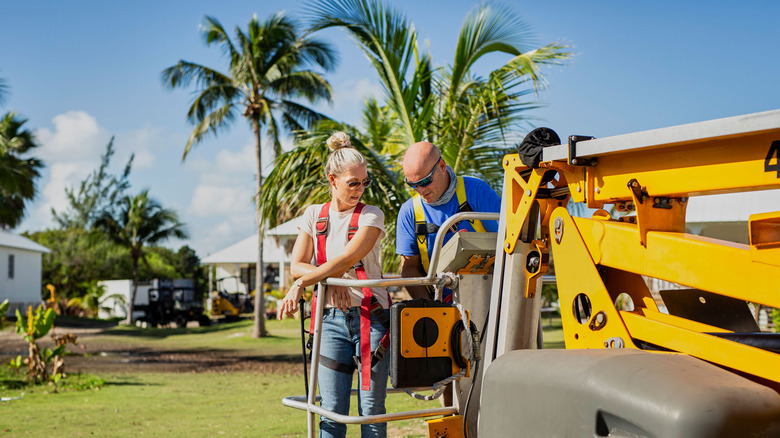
(474, 181)
(406, 206)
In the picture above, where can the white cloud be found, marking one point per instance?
(76, 136)
(140, 143)
(218, 200)
(241, 161)
(352, 95)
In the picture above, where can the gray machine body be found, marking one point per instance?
(473, 292)
(621, 393)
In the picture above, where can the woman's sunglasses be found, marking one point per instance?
(425, 182)
(355, 184)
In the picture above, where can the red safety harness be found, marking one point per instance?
(368, 305)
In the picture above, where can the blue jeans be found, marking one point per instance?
(340, 342)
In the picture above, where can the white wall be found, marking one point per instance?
(25, 288)
(124, 288)
(224, 270)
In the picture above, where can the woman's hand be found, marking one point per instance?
(340, 298)
(289, 304)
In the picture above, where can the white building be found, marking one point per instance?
(20, 271)
(236, 265)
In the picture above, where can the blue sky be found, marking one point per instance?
(83, 71)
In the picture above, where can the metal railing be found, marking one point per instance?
(308, 402)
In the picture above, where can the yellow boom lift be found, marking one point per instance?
(698, 366)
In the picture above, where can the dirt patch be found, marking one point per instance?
(92, 356)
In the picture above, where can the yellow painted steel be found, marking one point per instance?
(712, 265)
(755, 361)
(446, 427)
(520, 195)
(577, 275)
(445, 319)
(686, 169)
(600, 259)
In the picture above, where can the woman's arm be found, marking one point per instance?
(307, 275)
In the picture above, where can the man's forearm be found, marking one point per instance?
(411, 269)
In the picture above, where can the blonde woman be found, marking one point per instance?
(343, 237)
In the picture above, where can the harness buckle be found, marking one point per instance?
(322, 226)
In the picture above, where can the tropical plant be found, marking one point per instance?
(3, 310)
(98, 192)
(17, 171)
(79, 256)
(268, 66)
(472, 119)
(45, 365)
(291, 185)
(94, 298)
(138, 222)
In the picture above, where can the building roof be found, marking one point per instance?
(289, 228)
(731, 207)
(245, 251)
(11, 240)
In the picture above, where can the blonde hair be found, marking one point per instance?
(343, 156)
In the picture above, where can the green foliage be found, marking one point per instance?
(18, 171)
(98, 192)
(775, 315)
(45, 365)
(269, 64)
(78, 258)
(138, 222)
(36, 325)
(471, 119)
(3, 310)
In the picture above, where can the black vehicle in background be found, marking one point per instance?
(173, 301)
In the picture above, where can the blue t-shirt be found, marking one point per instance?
(480, 196)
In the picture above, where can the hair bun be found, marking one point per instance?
(338, 140)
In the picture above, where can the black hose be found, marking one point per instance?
(476, 370)
(301, 302)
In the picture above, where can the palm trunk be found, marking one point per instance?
(259, 329)
(131, 306)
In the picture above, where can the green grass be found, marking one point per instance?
(187, 404)
(284, 337)
(176, 405)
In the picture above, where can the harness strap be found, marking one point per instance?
(463, 205)
(365, 310)
(423, 228)
(335, 365)
(421, 231)
(368, 303)
(322, 227)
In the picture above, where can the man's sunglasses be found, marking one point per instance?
(354, 184)
(425, 182)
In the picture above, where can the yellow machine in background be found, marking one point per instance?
(230, 299)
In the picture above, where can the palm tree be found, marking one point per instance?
(3, 90)
(138, 222)
(268, 66)
(17, 173)
(470, 118)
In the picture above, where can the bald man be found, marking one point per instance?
(437, 198)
